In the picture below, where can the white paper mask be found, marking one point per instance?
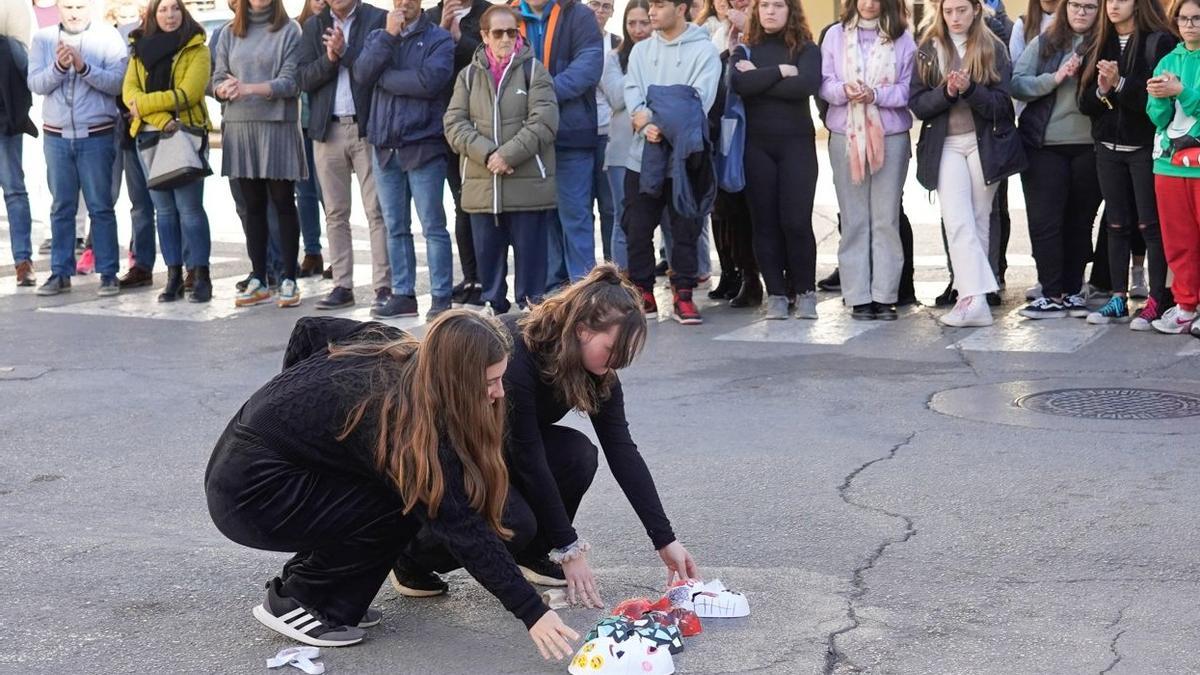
(633, 656)
(709, 600)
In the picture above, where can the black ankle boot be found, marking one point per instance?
(202, 291)
(174, 288)
(728, 287)
(751, 293)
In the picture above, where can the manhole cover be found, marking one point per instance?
(1112, 403)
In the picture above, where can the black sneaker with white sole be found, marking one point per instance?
(289, 618)
(414, 583)
(1044, 308)
(542, 572)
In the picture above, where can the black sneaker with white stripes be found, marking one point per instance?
(291, 619)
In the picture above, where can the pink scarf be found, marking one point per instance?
(864, 127)
(497, 66)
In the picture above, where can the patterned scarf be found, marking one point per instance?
(864, 127)
(496, 66)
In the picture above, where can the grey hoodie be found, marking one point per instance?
(689, 59)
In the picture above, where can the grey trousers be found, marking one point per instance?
(342, 155)
(870, 256)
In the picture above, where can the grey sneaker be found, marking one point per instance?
(109, 286)
(777, 307)
(806, 305)
(54, 285)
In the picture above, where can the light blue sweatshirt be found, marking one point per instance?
(77, 101)
(689, 59)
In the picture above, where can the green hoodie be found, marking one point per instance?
(1176, 117)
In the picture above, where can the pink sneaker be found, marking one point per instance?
(1148, 314)
(87, 262)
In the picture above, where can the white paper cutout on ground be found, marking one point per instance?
(632, 656)
(300, 657)
(555, 598)
(709, 600)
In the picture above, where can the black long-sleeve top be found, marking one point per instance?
(300, 413)
(535, 404)
(1120, 117)
(777, 105)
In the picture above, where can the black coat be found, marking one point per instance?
(1120, 117)
(15, 98)
(318, 75)
(1000, 151)
(468, 26)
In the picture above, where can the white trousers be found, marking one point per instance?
(966, 202)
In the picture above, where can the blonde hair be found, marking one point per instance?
(979, 56)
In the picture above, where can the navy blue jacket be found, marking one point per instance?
(411, 76)
(576, 61)
(317, 75)
(685, 155)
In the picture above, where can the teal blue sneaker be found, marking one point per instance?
(1116, 310)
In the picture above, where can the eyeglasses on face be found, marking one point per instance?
(1080, 8)
(597, 6)
(499, 33)
(1188, 21)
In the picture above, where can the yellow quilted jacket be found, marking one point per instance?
(190, 71)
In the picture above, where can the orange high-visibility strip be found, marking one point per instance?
(548, 43)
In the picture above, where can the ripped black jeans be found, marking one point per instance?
(1127, 183)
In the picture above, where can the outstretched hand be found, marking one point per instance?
(679, 562)
(581, 583)
(552, 636)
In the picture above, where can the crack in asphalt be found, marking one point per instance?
(835, 659)
(1112, 646)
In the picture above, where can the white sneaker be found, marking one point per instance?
(971, 310)
(1174, 321)
(1137, 284)
(1033, 292)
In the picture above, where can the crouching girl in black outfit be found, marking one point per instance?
(566, 354)
(365, 438)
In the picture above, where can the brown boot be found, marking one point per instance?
(311, 265)
(25, 276)
(135, 277)
(189, 279)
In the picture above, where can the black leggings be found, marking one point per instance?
(1131, 209)
(256, 192)
(572, 459)
(781, 182)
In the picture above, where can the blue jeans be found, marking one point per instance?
(82, 164)
(308, 201)
(604, 198)
(616, 184)
(16, 199)
(526, 232)
(182, 219)
(571, 241)
(142, 212)
(398, 190)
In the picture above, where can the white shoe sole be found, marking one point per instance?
(541, 579)
(1036, 316)
(970, 323)
(1097, 320)
(410, 592)
(266, 618)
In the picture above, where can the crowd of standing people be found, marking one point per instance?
(538, 120)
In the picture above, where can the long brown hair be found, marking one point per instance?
(597, 302)
(307, 13)
(1059, 36)
(795, 33)
(188, 28)
(979, 56)
(626, 47)
(893, 17)
(241, 17)
(434, 390)
(1033, 19)
(1148, 17)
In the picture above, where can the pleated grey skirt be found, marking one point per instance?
(271, 150)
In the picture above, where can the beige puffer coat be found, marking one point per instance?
(521, 128)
